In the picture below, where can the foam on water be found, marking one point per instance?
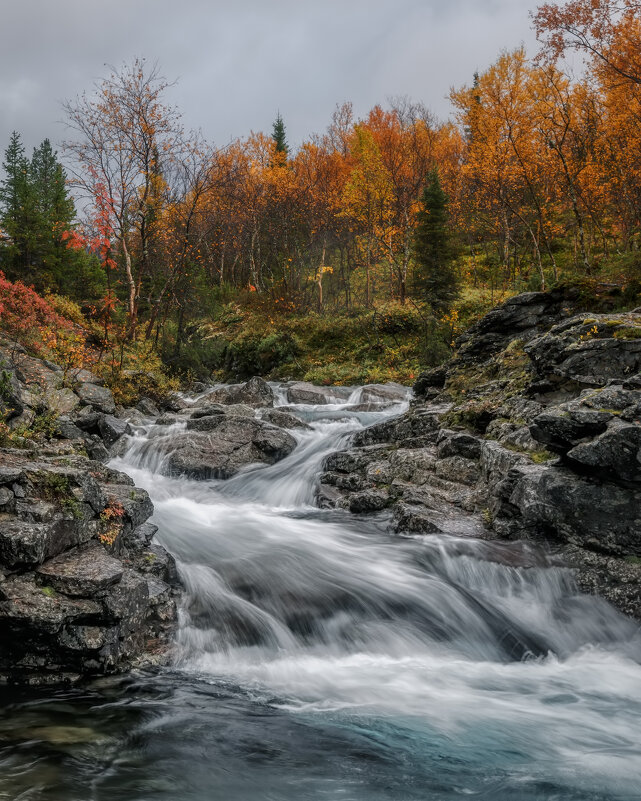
(320, 613)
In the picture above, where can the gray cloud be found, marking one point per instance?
(237, 64)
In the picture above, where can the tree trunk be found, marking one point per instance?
(131, 284)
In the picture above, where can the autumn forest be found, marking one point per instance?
(357, 255)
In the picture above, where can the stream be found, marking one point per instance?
(320, 657)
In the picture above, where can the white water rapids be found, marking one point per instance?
(479, 652)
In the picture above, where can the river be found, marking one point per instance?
(320, 657)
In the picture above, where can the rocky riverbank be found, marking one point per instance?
(532, 432)
(83, 589)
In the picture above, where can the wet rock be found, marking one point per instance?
(417, 427)
(140, 537)
(96, 451)
(69, 430)
(304, 392)
(283, 419)
(413, 519)
(112, 428)
(100, 398)
(209, 410)
(368, 501)
(351, 482)
(512, 435)
(458, 469)
(378, 393)
(11, 403)
(456, 443)
(234, 442)
(166, 420)
(81, 572)
(560, 429)
(431, 379)
(545, 501)
(88, 420)
(6, 497)
(616, 452)
(36, 374)
(618, 580)
(26, 542)
(175, 402)
(205, 423)
(74, 598)
(496, 462)
(587, 351)
(412, 464)
(352, 461)
(328, 496)
(23, 603)
(148, 407)
(255, 392)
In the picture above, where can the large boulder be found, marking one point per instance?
(552, 501)
(383, 393)
(282, 419)
(588, 351)
(256, 392)
(616, 452)
(223, 445)
(304, 392)
(100, 398)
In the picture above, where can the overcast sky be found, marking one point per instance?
(237, 62)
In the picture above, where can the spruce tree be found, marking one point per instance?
(55, 212)
(17, 211)
(436, 279)
(35, 211)
(279, 137)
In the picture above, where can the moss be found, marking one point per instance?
(540, 457)
(72, 506)
(488, 517)
(48, 591)
(56, 487)
(630, 332)
(633, 560)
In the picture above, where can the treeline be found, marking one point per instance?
(537, 178)
(37, 216)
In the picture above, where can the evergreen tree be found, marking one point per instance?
(55, 212)
(279, 137)
(434, 252)
(17, 211)
(35, 211)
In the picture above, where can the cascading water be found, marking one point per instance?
(318, 657)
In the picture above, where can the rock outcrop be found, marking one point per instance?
(219, 445)
(83, 591)
(532, 431)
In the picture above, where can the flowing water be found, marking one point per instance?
(319, 657)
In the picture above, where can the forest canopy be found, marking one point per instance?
(534, 181)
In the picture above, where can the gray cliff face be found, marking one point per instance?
(532, 432)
